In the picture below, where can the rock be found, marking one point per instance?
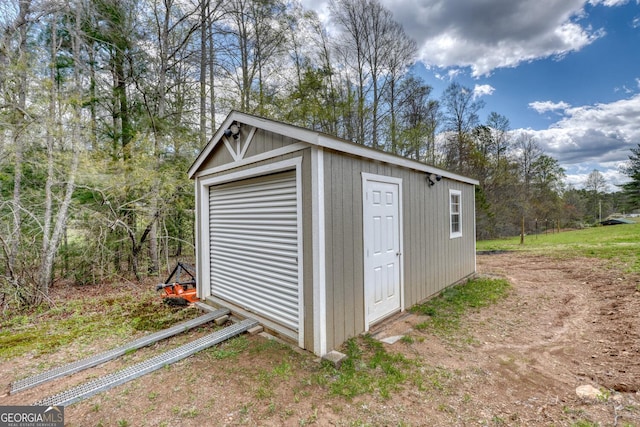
(221, 320)
(255, 330)
(392, 340)
(335, 358)
(588, 392)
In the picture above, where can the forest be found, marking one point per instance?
(104, 105)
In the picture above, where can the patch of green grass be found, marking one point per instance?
(44, 330)
(229, 349)
(407, 339)
(617, 243)
(368, 368)
(446, 310)
(266, 378)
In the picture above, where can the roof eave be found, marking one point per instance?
(320, 140)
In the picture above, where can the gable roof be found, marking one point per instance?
(317, 139)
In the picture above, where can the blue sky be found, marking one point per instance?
(566, 71)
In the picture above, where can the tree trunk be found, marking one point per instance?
(203, 72)
(51, 238)
(19, 125)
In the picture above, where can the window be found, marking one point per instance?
(455, 214)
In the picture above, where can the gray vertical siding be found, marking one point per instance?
(431, 260)
(220, 156)
(268, 141)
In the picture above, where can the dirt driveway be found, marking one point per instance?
(564, 324)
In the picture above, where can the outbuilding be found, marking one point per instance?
(320, 238)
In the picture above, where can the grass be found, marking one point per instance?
(369, 368)
(44, 330)
(619, 244)
(446, 310)
(229, 349)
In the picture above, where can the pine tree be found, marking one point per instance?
(632, 188)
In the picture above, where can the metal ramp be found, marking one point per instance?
(98, 359)
(98, 385)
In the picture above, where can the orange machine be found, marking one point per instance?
(180, 287)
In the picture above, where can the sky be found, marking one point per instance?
(566, 71)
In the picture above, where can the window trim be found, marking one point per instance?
(455, 234)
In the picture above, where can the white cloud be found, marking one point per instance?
(593, 133)
(609, 3)
(545, 106)
(576, 175)
(492, 33)
(482, 90)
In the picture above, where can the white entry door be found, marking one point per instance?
(382, 247)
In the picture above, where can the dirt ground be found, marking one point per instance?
(564, 324)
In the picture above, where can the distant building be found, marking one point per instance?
(617, 221)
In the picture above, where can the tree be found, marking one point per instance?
(312, 100)
(252, 40)
(631, 189)
(14, 63)
(460, 117)
(596, 185)
(416, 122)
(595, 182)
(500, 141)
(548, 185)
(378, 50)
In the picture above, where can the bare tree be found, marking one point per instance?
(378, 50)
(500, 136)
(350, 15)
(596, 185)
(460, 115)
(400, 53)
(596, 182)
(54, 226)
(14, 64)
(252, 39)
(417, 116)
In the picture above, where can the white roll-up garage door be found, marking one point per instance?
(254, 246)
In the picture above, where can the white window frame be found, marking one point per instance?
(455, 234)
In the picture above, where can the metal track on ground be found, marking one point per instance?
(98, 359)
(107, 382)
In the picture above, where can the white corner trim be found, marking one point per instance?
(204, 257)
(300, 232)
(319, 253)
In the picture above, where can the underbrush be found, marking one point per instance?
(45, 329)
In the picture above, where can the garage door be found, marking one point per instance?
(254, 246)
